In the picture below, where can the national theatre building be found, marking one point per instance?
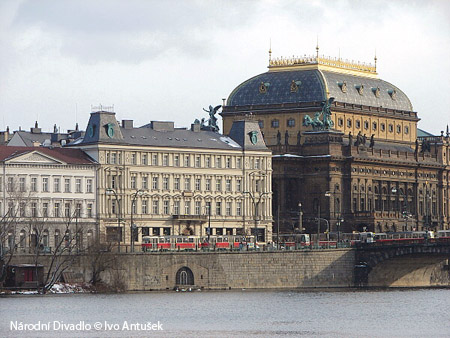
(346, 148)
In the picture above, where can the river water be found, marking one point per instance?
(243, 313)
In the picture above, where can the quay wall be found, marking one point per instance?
(223, 270)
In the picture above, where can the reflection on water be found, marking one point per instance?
(392, 313)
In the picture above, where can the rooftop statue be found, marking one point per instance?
(212, 121)
(326, 123)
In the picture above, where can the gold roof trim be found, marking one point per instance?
(327, 62)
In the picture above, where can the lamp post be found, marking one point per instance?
(405, 206)
(208, 206)
(134, 196)
(111, 191)
(328, 194)
(300, 217)
(256, 207)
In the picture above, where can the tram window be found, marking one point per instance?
(145, 231)
(219, 231)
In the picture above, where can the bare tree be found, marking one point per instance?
(16, 202)
(63, 254)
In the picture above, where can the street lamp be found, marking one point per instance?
(256, 207)
(111, 191)
(132, 226)
(300, 217)
(405, 212)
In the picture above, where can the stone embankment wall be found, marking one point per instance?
(327, 268)
(224, 270)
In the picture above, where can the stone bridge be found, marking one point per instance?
(402, 265)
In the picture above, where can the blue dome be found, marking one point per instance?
(312, 85)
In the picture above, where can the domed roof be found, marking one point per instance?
(317, 81)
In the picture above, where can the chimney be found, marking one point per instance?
(127, 124)
(35, 130)
(195, 127)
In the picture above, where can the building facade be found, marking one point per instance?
(346, 148)
(159, 180)
(46, 195)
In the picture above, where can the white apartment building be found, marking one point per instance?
(46, 195)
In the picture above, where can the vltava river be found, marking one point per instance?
(392, 313)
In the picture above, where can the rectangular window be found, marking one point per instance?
(239, 163)
(78, 185)
(133, 158)
(56, 185)
(22, 184)
(155, 207)
(67, 185)
(218, 184)
(165, 183)
(228, 162)
(22, 209)
(166, 207)
(155, 182)
(275, 123)
(33, 209)
(144, 207)
(45, 184)
(113, 158)
(208, 162)
(187, 207)
(114, 207)
(198, 184)
(155, 159)
(89, 210)
(145, 182)
(10, 186)
(67, 210)
(78, 210)
(208, 184)
(218, 208)
(239, 209)
(228, 208)
(113, 182)
(228, 185)
(257, 163)
(187, 183)
(134, 207)
(218, 162)
(56, 209)
(176, 160)
(238, 185)
(176, 183)
(187, 161)
(165, 160)
(45, 209)
(197, 161)
(176, 207)
(144, 159)
(198, 207)
(133, 182)
(89, 185)
(33, 184)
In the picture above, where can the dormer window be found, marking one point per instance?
(343, 86)
(376, 91)
(263, 87)
(392, 93)
(294, 86)
(360, 89)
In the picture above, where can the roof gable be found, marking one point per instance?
(33, 157)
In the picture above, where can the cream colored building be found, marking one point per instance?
(166, 178)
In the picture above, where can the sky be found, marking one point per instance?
(167, 60)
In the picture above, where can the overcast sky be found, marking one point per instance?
(166, 60)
